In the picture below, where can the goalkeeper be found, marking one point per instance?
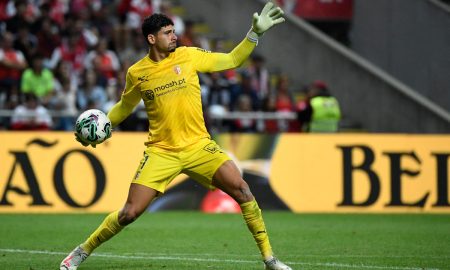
(166, 80)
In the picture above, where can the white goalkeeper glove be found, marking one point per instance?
(80, 140)
(270, 15)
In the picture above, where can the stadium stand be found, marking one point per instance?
(80, 33)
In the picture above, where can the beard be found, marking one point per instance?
(172, 47)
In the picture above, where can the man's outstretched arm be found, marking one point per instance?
(270, 16)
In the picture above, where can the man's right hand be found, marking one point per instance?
(77, 137)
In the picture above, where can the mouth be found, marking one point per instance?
(172, 46)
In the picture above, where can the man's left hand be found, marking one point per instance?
(270, 15)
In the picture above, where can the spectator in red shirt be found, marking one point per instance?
(12, 64)
(104, 61)
(285, 103)
(133, 12)
(72, 49)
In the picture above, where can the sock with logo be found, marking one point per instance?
(109, 227)
(255, 223)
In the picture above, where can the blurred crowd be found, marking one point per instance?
(59, 58)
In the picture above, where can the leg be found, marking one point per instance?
(228, 179)
(139, 197)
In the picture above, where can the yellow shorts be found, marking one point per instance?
(200, 161)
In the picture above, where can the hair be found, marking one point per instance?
(38, 56)
(319, 88)
(154, 23)
(30, 97)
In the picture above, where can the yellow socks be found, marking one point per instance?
(253, 218)
(104, 232)
(250, 212)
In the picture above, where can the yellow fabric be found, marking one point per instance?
(200, 161)
(255, 223)
(109, 227)
(325, 114)
(171, 93)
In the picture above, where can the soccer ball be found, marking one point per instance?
(93, 127)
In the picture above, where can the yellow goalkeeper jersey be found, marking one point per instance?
(171, 93)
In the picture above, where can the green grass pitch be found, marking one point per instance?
(192, 240)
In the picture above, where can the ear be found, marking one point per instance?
(151, 39)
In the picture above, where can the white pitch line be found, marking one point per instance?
(177, 258)
(301, 255)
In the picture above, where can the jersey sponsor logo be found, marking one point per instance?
(203, 50)
(172, 84)
(143, 78)
(177, 69)
(149, 94)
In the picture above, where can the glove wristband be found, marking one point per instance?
(252, 36)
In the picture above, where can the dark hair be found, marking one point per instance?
(154, 23)
(30, 97)
(320, 88)
(38, 56)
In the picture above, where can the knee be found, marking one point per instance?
(127, 215)
(242, 193)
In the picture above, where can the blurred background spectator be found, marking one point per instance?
(104, 61)
(105, 37)
(24, 14)
(320, 112)
(244, 104)
(64, 100)
(167, 8)
(73, 56)
(91, 93)
(259, 77)
(284, 103)
(31, 115)
(135, 50)
(38, 80)
(247, 88)
(191, 37)
(73, 49)
(12, 63)
(132, 12)
(26, 42)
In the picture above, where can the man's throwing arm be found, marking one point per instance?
(270, 16)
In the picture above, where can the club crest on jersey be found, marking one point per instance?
(177, 69)
(211, 147)
(149, 95)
